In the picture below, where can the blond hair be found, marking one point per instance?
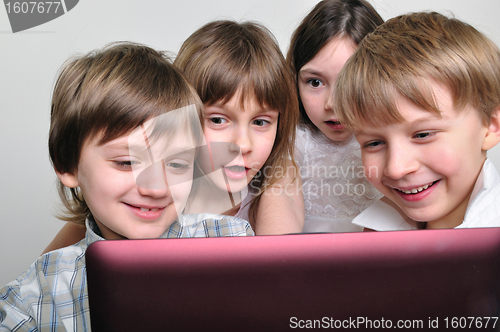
(403, 55)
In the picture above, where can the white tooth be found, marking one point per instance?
(154, 209)
(143, 209)
(416, 190)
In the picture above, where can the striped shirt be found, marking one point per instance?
(52, 294)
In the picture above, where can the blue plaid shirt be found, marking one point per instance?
(52, 294)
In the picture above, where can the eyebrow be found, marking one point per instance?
(180, 151)
(422, 120)
(126, 147)
(428, 118)
(176, 151)
(269, 110)
(311, 71)
(264, 109)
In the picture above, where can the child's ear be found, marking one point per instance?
(493, 135)
(68, 179)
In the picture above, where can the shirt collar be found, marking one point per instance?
(488, 178)
(381, 216)
(93, 233)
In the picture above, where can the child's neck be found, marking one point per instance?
(452, 220)
(232, 211)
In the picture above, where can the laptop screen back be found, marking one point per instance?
(272, 283)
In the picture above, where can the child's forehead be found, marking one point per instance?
(177, 127)
(170, 131)
(173, 139)
(415, 118)
(426, 101)
(241, 99)
(410, 119)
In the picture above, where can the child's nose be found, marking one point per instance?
(243, 140)
(329, 101)
(153, 181)
(400, 162)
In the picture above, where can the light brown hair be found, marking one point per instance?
(401, 57)
(106, 94)
(352, 19)
(224, 57)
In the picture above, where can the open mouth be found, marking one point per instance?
(147, 210)
(235, 169)
(143, 209)
(417, 190)
(334, 124)
(235, 172)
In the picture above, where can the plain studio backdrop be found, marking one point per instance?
(29, 62)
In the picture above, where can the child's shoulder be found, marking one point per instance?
(484, 206)
(56, 264)
(49, 282)
(314, 142)
(209, 225)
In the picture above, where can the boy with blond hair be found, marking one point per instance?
(423, 95)
(124, 135)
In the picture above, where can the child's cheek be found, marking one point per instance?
(180, 193)
(445, 161)
(372, 169)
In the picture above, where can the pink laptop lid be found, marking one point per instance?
(428, 278)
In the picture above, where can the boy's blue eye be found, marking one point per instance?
(372, 144)
(177, 165)
(178, 168)
(125, 163)
(424, 134)
(217, 120)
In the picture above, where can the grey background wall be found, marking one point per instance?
(29, 62)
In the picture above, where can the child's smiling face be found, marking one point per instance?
(134, 186)
(427, 164)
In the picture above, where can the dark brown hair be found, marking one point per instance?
(352, 19)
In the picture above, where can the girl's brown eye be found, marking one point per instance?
(216, 120)
(315, 83)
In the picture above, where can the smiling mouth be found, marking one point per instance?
(145, 209)
(417, 190)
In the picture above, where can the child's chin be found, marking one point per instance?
(147, 235)
(236, 186)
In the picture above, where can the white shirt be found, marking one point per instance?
(483, 209)
(333, 182)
